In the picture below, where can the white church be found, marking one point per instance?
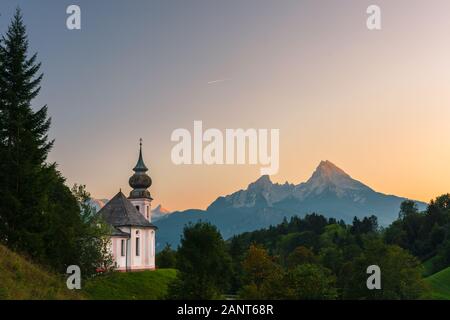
(133, 237)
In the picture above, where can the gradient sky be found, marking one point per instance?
(375, 103)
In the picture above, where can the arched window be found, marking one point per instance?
(137, 207)
(152, 243)
(138, 249)
(122, 248)
(138, 244)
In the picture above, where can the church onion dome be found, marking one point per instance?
(140, 181)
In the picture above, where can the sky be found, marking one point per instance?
(375, 103)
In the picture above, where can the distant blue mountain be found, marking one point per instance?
(330, 191)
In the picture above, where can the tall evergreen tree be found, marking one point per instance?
(39, 215)
(2, 148)
(24, 142)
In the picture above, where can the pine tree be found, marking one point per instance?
(2, 148)
(39, 215)
(25, 145)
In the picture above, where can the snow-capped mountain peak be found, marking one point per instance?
(328, 174)
(160, 212)
(262, 192)
(328, 170)
(327, 178)
(97, 204)
(263, 184)
(330, 178)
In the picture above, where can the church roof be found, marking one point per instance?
(120, 212)
(119, 233)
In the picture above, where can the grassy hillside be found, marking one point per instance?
(428, 268)
(21, 279)
(145, 285)
(440, 284)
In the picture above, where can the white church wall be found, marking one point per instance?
(146, 258)
(116, 251)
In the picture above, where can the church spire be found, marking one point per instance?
(140, 181)
(140, 165)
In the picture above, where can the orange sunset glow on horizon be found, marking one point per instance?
(374, 103)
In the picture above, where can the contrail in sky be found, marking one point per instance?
(217, 81)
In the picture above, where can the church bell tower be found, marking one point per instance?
(140, 181)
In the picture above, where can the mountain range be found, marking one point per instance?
(330, 191)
